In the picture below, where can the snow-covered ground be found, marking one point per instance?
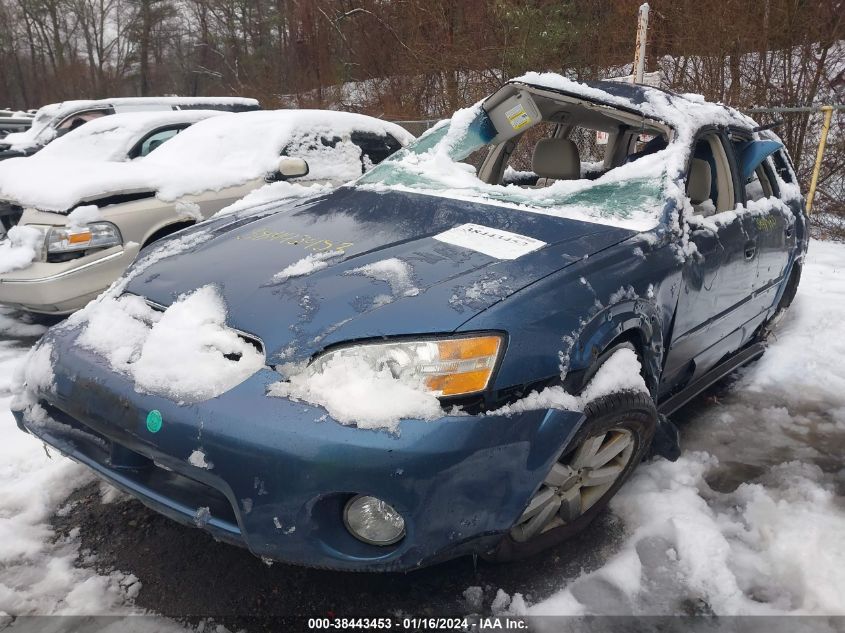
(750, 520)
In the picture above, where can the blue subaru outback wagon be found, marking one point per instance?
(467, 350)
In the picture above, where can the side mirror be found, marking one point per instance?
(292, 167)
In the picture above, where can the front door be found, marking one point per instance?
(720, 275)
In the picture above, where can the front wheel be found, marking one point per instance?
(613, 439)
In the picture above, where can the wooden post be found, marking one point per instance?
(828, 113)
(639, 49)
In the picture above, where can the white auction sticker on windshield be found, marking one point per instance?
(493, 242)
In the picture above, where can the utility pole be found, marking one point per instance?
(639, 50)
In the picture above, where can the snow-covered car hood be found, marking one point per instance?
(60, 185)
(356, 264)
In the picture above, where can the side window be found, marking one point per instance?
(709, 179)
(782, 166)
(329, 158)
(758, 186)
(75, 120)
(374, 147)
(156, 139)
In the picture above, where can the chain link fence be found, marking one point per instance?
(801, 128)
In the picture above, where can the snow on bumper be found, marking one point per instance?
(273, 475)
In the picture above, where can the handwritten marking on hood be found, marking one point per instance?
(493, 242)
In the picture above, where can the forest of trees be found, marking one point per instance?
(404, 59)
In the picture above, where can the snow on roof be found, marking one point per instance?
(685, 112)
(112, 137)
(53, 112)
(213, 154)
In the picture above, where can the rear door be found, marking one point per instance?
(772, 220)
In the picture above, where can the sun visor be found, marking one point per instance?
(513, 115)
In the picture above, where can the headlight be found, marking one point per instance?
(444, 367)
(94, 235)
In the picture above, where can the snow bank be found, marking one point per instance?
(767, 548)
(38, 574)
(21, 248)
(16, 325)
(186, 352)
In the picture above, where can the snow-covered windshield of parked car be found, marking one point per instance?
(630, 195)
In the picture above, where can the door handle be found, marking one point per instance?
(750, 250)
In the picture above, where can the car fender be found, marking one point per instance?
(637, 321)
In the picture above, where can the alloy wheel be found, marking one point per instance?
(576, 483)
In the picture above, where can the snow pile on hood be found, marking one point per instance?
(305, 266)
(20, 248)
(355, 393)
(186, 352)
(395, 273)
(219, 152)
(83, 215)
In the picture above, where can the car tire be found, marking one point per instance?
(618, 414)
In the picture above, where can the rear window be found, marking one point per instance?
(783, 166)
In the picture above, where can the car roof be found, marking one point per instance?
(63, 108)
(143, 120)
(681, 111)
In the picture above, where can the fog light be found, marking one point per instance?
(373, 521)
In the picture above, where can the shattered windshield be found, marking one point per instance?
(630, 195)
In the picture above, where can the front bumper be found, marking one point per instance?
(279, 472)
(61, 288)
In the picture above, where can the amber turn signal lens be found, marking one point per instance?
(79, 238)
(462, 349)
(455, 384)
(466, 365)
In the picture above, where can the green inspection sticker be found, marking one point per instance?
(154, 421)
